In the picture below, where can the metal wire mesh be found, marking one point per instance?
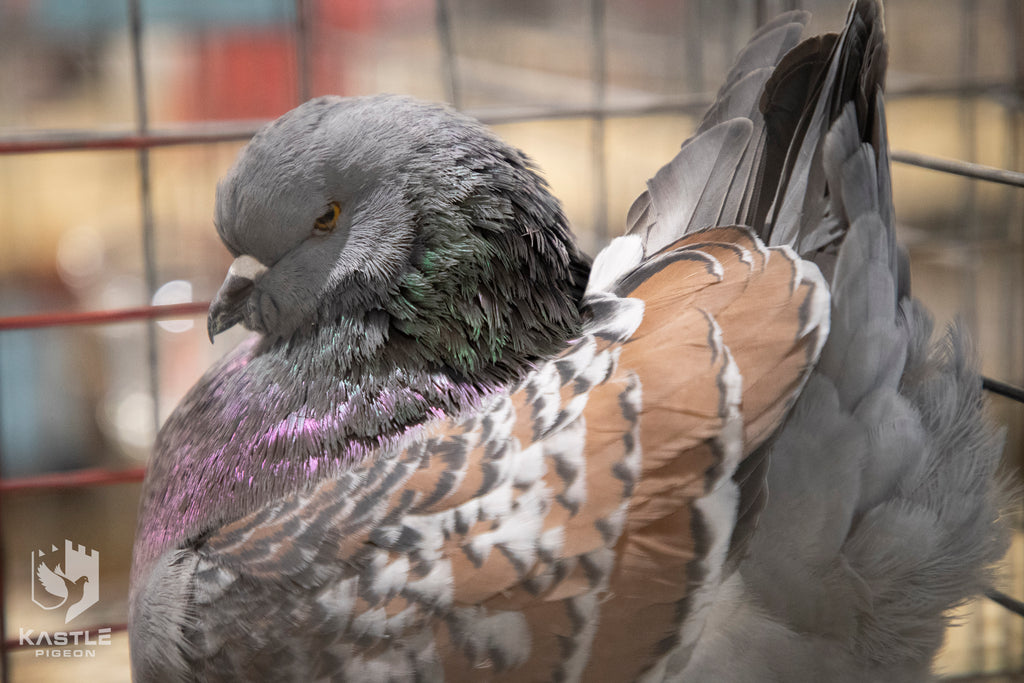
(603, 105)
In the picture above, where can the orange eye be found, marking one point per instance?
(327, 222)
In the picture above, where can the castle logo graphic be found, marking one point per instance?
(67, 578)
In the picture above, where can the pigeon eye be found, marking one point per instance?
(327, 222)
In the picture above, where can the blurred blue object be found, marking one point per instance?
(61, 15)
(46, 421)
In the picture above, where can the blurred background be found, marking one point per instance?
(118, 116)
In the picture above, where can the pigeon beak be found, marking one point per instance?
(229, 304)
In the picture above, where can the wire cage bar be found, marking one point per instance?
(143, 138)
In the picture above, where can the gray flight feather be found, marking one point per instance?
(711, 181)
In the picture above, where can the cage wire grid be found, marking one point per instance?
(142, 139)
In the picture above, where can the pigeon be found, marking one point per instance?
(457, 449)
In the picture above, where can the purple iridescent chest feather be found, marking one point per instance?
(262, 424)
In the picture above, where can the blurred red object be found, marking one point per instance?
(250, 72)
(241, 74)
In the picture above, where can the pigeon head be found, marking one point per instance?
(400, 224)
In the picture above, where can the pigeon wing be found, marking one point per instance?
(575, 526)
